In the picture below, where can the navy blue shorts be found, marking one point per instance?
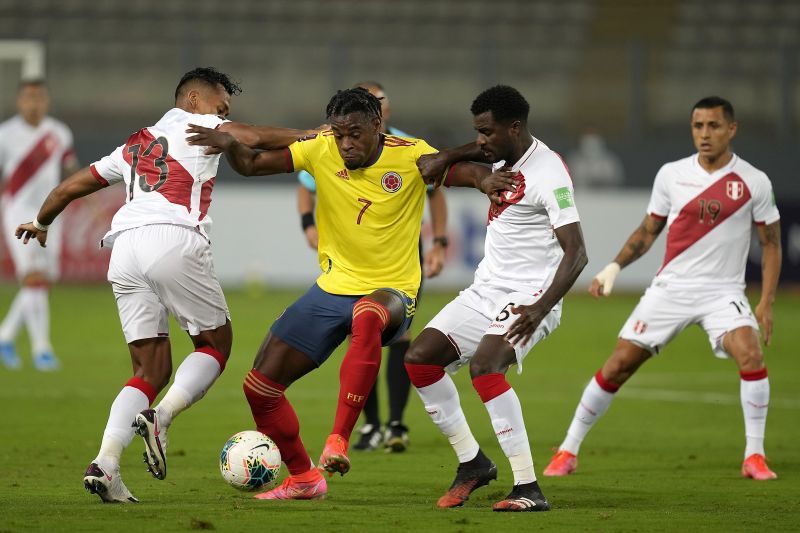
(319, 321)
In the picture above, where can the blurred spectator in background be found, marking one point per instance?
(593, 165)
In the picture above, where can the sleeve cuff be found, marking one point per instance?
(656, 215)
(98, 177)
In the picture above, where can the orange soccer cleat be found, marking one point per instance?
(468, 478)
(334, 456)
(756, 467)
(563, 463)
(308, 486)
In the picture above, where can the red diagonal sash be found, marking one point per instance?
(705, 212)
(31, 164)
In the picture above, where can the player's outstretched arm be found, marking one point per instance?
(771, 256)
(492, 184)
(635, 247)
(433, 166)
(263, 137)
(570, 237)
(243, 159)
(79, 184)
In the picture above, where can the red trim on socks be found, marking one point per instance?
(605, 385)
(755, 375)
(424, 375)
(275, 417)
(216, 354)
(490, 386)
(148, 390)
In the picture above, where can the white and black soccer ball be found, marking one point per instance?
(250, 460)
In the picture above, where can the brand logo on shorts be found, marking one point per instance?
(639, 327)
(734, 189)
(391, 182)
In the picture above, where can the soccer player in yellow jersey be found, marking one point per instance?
(370, 203)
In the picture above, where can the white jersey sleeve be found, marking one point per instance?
(660, 204)
(556, 193)
(764, 209)
(110, 169)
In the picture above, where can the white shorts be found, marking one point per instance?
(661, 314)
(31, 257)
(485, 310)
(164, 269)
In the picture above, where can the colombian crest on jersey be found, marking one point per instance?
(391, 181)
(734, 189)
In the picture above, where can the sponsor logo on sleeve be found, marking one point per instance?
(564, 197)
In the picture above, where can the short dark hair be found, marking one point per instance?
(354, 100)
(31, 82)
(710, 102)
(212, 77)
(369, 83)
(505, 103)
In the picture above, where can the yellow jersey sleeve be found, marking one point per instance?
(303, 152)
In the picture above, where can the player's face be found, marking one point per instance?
(356, 138)
(211, 100)
(712, 132)
(494, 138)
(33, 103)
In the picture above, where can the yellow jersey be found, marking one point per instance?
(368, 219)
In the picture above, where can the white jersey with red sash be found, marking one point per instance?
(709, 221)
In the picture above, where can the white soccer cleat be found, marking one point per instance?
(108, 486)
(155, 441)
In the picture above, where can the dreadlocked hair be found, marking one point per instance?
(211, 76)
(354, 100)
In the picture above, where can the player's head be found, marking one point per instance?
(33, 101)
(500, 116)
(355, 118)
(206, 91)
(377, 90)
(713, 126)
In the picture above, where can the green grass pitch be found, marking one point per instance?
(665, 457)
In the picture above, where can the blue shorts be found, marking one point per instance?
(319, 321)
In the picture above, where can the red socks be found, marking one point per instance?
(605, 385)
(275, 417)
(424, 375)
(490, 386)
(360, 365)
(147, 389)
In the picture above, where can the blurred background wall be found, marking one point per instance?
(611, 83)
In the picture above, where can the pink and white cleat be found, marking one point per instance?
(756, 467)
(308, 486)
(563, 463)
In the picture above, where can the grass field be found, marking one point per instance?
(665, 457)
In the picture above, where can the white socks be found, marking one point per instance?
(443, 404)
(505, 412)
(119, 431)
(593, 404)
(30, 306)
(755, 403)
(192, 380)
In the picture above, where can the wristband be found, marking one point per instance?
(307, 220)
(441, 241)
(38, 225)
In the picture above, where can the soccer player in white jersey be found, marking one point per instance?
(161, 264)
(35, 152)
(534, 252)
(708, 202)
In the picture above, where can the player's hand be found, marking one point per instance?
(28, 231)
(312, 237)
(432, 167)
(530, 316)
(603, 282)
(434, 260)
(497, 183)
(764, 317)
(217, 141)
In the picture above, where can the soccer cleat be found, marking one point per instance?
(396, 437)
(523, 498)
(466, 481)
(756, 467)
(109, 487)
(334, 456)
(46, 362)
(563, 463)
(8, 354)
(371, 438)
(308, 486)
(155, 441)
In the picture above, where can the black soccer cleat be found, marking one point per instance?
(396, 437)
(371, 438)
(523, 498)
(469, 476)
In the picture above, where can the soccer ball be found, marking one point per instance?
(249, 460)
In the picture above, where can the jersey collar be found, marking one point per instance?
(727, 168)
(378, 152)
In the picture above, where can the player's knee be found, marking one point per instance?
(418, 354)
(481, 367)
(750, 359)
